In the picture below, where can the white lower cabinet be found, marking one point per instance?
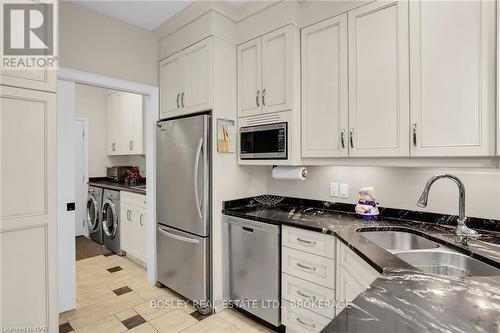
(313, 284)
(133, 224)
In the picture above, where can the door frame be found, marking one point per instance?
(85, 170)
(151, 95)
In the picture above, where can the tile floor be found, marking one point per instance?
(113, 295)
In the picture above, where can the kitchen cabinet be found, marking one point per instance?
(325, 88)
(43, 79)
(354, 275)
(133, 224)
(124, 124)
(186, 80)
(267, 72)
(452, 69)
(379, 79)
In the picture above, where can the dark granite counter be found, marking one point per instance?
(403, 299)
(106, 183)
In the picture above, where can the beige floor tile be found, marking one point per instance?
(93, 294)
(173, 322)
(149, 312)
(87, 315)
(143, 328)
(234, 318)
(254, 328)
(62, 319)
(126, 314)
(212, 324)
(106, 325)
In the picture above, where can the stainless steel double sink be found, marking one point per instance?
(429, 256)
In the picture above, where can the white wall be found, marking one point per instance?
(401, 187)
(91, 104)
(96, 43)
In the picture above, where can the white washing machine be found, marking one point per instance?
(111, 221)
(94, 206)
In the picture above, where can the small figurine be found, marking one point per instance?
(367, 206)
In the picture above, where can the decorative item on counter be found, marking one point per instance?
(367, 206)
(133, 176)
(269, 200)
(289, 172)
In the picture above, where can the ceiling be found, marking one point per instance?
(147, 14)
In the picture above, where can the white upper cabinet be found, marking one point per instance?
(452, 68)
(124, 124)
(379, 80)
(186, 80)
(32, 79)
(250, 77)
(266, 72)
(197, 77)
(170, 84)
(325, 88)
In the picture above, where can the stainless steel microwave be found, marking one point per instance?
(264, 142)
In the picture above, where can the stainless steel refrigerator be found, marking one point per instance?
(183, 169)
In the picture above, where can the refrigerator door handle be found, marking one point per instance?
(182, 239)
(196, 166)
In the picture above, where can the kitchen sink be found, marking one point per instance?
(429, 256)
(447, 262)
(399, 240)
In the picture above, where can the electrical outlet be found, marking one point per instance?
(344, 191)
(334, 190)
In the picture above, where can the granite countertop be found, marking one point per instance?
(112, 185)
(403, 299)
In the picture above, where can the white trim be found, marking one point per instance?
(151, 105)
(85, 171)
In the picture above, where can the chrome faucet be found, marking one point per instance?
(462, 231)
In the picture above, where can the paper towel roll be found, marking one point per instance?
(289, 172)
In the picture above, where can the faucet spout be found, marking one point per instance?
(462, 229)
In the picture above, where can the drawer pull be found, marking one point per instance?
(304, 324)
(300, 293)
(306, 267)
(305, 241)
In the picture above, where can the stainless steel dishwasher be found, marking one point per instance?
(253, 267)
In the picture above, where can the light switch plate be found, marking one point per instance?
(344, 191)
(334, 190)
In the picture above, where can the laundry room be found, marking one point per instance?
(110, 179)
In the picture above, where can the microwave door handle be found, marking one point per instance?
(195, 174)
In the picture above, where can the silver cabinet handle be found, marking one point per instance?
(182, 99)
(351, 140)
(263, 97)
(182, 239)
(131, 145)
(300, 293)
(306, 267)
(196, 165)
(305, 241)
(307, 325)
(178, 100)
(414, 134)
(113, 146)
(257, 98)
(140, 220)
(342, 143)
(128, 214)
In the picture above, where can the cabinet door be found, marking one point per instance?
(324, 89)
(348, 287)
(111, 123)
(131, 123)
(197, 84)
(378, 79)
(452, 71)
(277, 70)
(170, 84)
(250, 78)
(140, 235)
(127, 232)
(38, 80)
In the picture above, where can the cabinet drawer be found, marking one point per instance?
(298, 319)
(135, 199)
(320, 298)
(308, 266)
(309, 241)
(360, 269)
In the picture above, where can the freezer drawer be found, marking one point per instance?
(183, 263)
(254, 267)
